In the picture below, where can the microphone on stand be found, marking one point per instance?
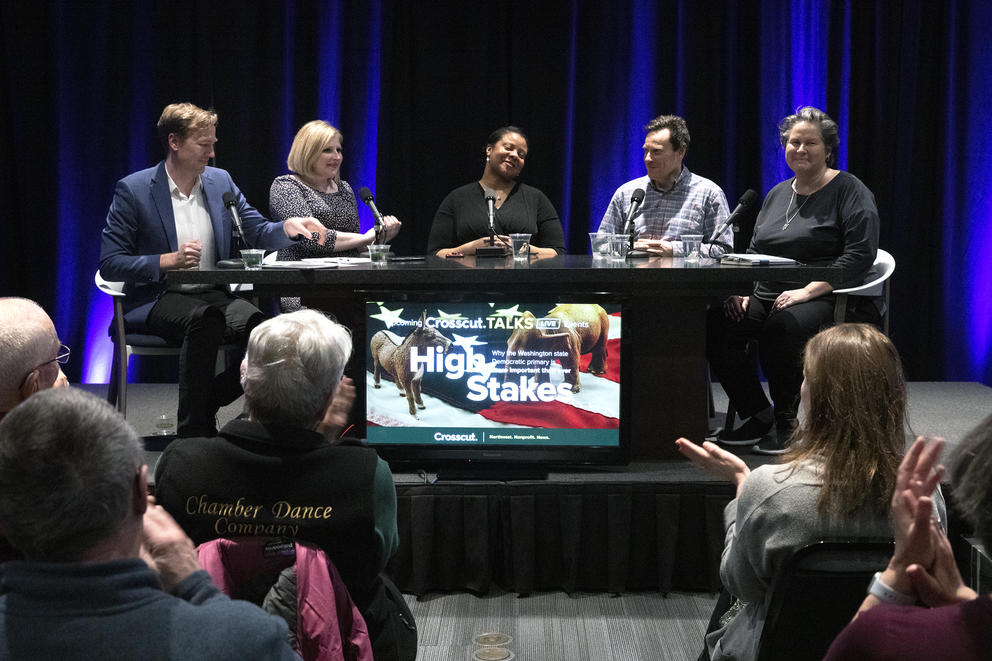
(492, 250)
(746, 202)
(231, 202)
(628, 222)
(491, 204)
(237, 235)
(366, 196)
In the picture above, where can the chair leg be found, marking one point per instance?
(728, 422)
(122, 382)
(113, 387)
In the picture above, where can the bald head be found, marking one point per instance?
(28, 347)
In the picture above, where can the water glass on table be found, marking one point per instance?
(691, 246)
(379, 254)
(600, 244)
(619, 246)
(520, 244)
(252, 257)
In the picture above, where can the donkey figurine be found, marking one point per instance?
(394, 359)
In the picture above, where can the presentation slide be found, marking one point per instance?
(468, 373)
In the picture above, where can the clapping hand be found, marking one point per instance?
(336, 415)
(911, 511)
(165, 548)
(942, 585)
(911, 508)
(715, 460)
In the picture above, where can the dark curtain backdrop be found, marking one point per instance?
(416, 87)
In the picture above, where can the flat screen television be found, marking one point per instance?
(460, 385)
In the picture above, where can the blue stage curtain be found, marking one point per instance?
(416, 87)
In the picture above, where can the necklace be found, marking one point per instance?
(500, 192)
(798, 209)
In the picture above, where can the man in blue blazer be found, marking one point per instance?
(172, 216)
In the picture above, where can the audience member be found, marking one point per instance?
(31, 359)
(31, 354)
(676, 201)
(461, 224)
(73, 500)
(958, 624)
(821, 217)
(835, 480)
(278, 472)
(172, 216)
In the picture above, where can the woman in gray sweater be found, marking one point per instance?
(835, 480)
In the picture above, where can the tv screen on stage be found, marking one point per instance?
(501, 381)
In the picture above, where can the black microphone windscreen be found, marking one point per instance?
(637, 196)
(364, 194)
(749, 197)
(229, 199)
(490, 194)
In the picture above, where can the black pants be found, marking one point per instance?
(201, 322)
(781, 338)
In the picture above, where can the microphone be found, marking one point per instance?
(635, 203)
(746, 202)
(628, 222)
(366, 196)
(492, 250)
(231, 202)
(491, 203)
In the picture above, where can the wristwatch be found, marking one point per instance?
(887, 594)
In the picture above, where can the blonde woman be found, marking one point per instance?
(315, 188)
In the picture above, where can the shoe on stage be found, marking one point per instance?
(778, 442)
(749, 433)
(773, 444)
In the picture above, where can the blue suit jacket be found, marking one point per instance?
(141, 226)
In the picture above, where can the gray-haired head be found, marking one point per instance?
(68, 463)
(971, 464)
(829, 131)
(292, 366)
(27, 338)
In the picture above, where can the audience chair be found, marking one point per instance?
(815, 594)
(876, 284)
(134, 344)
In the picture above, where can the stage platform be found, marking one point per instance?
(644, 526)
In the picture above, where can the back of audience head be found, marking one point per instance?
(30, 351)
(971, 465)
(70, 471)
(852, 416)
(292, 367)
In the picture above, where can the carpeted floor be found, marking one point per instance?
(560, 627)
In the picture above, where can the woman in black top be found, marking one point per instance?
(821, 216)
(461, 224)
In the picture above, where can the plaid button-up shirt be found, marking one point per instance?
(694, 205)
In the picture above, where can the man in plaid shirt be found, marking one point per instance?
(676, 201)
